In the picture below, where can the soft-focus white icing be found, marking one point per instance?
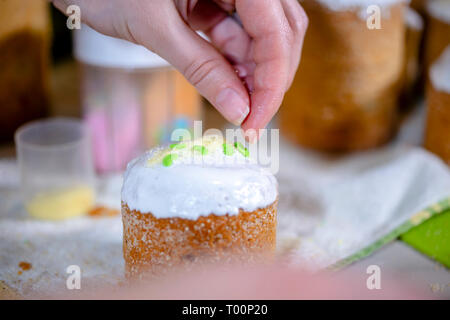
(440, 72)
(439, 9)
(195, 186)
(413, 19)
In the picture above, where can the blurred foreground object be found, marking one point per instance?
(438, 34)
(131, 98)
(56, 168)
(345, 93)
(437, 138)
(24, 62)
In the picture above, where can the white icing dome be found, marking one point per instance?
(439, 9)
(197, 178)
(440, 72)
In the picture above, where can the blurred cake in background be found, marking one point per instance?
(419, 5)
(438, 33)
(437, 137)
(345, 94)
(24, 62)
(412, 65)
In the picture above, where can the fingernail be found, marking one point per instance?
(232, 106)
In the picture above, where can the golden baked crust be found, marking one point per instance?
(437, 136)
(345, 93)
(151, 246)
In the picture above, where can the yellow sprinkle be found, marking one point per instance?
(419, 217)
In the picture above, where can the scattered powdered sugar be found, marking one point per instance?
(439, 9)
(440, 72)
(93, 244)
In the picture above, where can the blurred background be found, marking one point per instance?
(367, 119)
(45, 72)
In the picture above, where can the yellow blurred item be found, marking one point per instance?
(62, 204)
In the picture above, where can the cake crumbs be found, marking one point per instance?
(99, 212)
(25, 265)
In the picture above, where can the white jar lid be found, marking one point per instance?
(94, 48)
(413, 19)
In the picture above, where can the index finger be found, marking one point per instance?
(267, 25)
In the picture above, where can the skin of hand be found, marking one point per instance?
(245, 69)
(257, 282)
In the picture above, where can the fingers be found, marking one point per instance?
(225, 33)
(206, 68)
(265, 50)
(298, 22)
(277, 37)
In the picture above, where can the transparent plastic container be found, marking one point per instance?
(131, 98)
(56, 168)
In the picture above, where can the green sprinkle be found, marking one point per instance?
(228, 149)
(200, 149)
(178, 146)
(169, 159)
(243, 150)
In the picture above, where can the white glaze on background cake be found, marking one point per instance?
(440, 72)
(194, 185)
(413, 19)
(439, 9)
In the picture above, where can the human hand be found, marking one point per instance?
(245, 70)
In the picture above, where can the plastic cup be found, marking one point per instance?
(56, 168)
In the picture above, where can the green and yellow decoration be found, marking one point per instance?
(203, 146)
